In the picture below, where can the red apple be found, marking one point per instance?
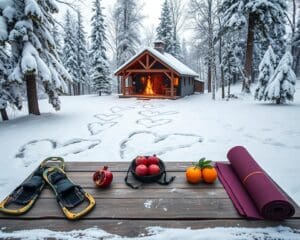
(153, 169)
(141, 170)
(153, 160)
(141, 160)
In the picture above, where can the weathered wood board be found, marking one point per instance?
(127, 212)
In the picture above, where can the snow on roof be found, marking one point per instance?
(167, 58)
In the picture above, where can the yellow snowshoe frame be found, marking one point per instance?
(68, 213)
(24, 209)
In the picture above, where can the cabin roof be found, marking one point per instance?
(167, 58)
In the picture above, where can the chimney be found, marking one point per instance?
(159, 46)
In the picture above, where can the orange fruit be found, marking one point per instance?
(209, 175)
(193, 174)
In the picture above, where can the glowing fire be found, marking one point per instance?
(149, 87)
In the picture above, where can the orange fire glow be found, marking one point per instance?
(149, 87)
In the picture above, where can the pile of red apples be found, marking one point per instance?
(147, 166)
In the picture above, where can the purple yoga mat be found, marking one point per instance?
(252, 191)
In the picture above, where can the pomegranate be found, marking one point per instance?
(153, 160)
(103, 177)
(141, 170)
(153, 169)
(141, 160)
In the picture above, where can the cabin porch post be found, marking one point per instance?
(172, 84)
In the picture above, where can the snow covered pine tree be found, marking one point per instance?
(100, 67)
(82, 55)
(267, 17)
(266, 70)
(35, 60)
(127, 19)
(10, 91)
(281, 86)
(165, 29)
(69, 51)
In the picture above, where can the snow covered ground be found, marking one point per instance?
(158, 233)
(92, 128)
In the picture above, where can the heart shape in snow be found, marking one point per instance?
(97, 127)
(147, 143)
(107, 117)
(150, 123)
(151, 113)
(37, 150)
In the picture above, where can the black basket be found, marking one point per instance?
(150, 178)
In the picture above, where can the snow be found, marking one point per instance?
(167, 58)
(92, 128)
(158, 233)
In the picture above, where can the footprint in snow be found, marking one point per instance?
(152, 113)
(108, 117)
(37, 150)
(98, 127)
(147, 143)
(150, 123)
(118, 109)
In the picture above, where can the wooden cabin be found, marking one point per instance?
(153, 73)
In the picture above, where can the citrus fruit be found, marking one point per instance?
(209, 174)
(193, 174)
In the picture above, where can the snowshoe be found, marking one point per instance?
(68, 195)
(26, 194)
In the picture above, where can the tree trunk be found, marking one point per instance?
(78, 88)
(32, 98)
(228, 90)
(222, 83)
(249, 54)
(4, 114)
(278, 101)
(209, 78)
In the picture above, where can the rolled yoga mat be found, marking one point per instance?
(252, 191)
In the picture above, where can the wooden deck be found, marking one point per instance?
(124, 211)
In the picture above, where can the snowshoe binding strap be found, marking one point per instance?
(68, 195)
(26, 194)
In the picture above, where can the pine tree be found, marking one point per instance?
(34, 56)
(57, 39)
(127, 19)
(10, 92)
(267, 17)
(82, 55)
(100, 67)
(296, 46)
(69, 51)
(230, 62)
(165, 30)
(266, 71)
(281, 87)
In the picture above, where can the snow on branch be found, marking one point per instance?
(32, 9)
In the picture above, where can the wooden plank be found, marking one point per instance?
(85, 180)
(153, 193)
(119, 166)
(132, 228)
(147, 208)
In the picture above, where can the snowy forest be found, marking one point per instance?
(255, 43)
